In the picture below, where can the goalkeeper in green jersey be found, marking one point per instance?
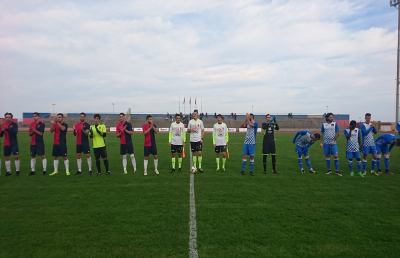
(97, 132)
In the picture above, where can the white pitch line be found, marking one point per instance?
(192, 216)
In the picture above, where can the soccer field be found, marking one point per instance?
(284, 215)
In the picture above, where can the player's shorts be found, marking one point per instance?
(150, 150)
(301, 151)
(176, 148)
(37, 150)
(369, 150)
(11, 149)
(382, 149)
(269, 148)
(249, 149)
(100, 152)
(59, 150)
(196, 146)
(330, 149)
(83, 148)
(220, 149)
(126, 149)
(353, 155)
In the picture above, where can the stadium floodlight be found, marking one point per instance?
(396, 3)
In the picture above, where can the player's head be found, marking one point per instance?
(36, 116)
(195, 114)
(353, 124)
(60, 117)
(329, 117)
(220, 118)
(82, 116)
(121, 117)
(149, 119)
(178, 118)
(368, 118)
(8, 116)
(252, 116)
(268, 117)
(97, 118)
(315, 136)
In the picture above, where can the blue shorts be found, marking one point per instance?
(382, 149)
(353, 155)
(301, 151)
(249, 149)
(330, 149)
(369, 150)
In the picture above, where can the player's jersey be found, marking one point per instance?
(177, 135)
(9, 131)
(60, 137)
(385, 139)
(150, 137)
(36, 138)
(329, 131)
(303, 139)
(269, 131)
(98, 135)
(195, 126)
(251, 133)
(353, 144)
(81, 137)
(367, 132)
(125, 138)
(220, 134)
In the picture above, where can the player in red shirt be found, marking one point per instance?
(9, 130)
(124, 132)
(150, 147)
(59, 129)
(81, 132)
(36, 131)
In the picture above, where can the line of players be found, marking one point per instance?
(358, 139)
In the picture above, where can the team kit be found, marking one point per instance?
(361, 143)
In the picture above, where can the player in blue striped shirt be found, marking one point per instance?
(330, 133)
(384, 144)
(303, 141)
(353, 137)
(368, 143)
(249, 146)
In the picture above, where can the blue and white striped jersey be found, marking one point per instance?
(329, 131)
(367, 132)
(251, 133)
(303, 139)
(353, 140)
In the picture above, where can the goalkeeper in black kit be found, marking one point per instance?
(268, 129)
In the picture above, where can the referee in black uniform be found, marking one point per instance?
(268, 128)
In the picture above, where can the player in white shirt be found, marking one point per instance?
(196, 131)
(220, 141)
(177, 139)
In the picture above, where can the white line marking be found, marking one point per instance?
(192, 216)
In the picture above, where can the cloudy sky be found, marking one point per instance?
(276, 56)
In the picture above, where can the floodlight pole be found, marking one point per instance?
(396, 3)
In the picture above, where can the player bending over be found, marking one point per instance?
(304, 140)
(384, 144)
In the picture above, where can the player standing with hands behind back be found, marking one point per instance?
(269, 126)
(196, 130)
(98, 132)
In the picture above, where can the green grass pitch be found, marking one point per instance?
(288, 215)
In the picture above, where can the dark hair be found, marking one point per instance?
(121, 114)
(196, 111)
(328, 114)
(148, 116)
(252, 115)
(83, 114)
(317, 136)
(353, 123)
(60, 114)
(8, 114)
(178, 115)
(96, 116)
(219, 115)
(36, 114)
(367, 114)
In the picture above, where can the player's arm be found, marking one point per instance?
(74, 130)
(85, 129)
(296, 136)
(91, 131)
(359, 138)
(129, 129)
(38, 132)
(226, 135)
(322, 134)
(183, 135)
(276, 126)
(214, 135)
(101, 130)
(155, 128)
(62, 127)
(347, 133)
(337, 131)
(170, 135)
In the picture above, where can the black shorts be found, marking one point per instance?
(59, 150)
(12, 149)
(220, 149)
(100, 152)
(150, 150)
(37, 150)
(176, 148)
(269, 148)
(196, 146)
(83, 148)
(126, 149)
